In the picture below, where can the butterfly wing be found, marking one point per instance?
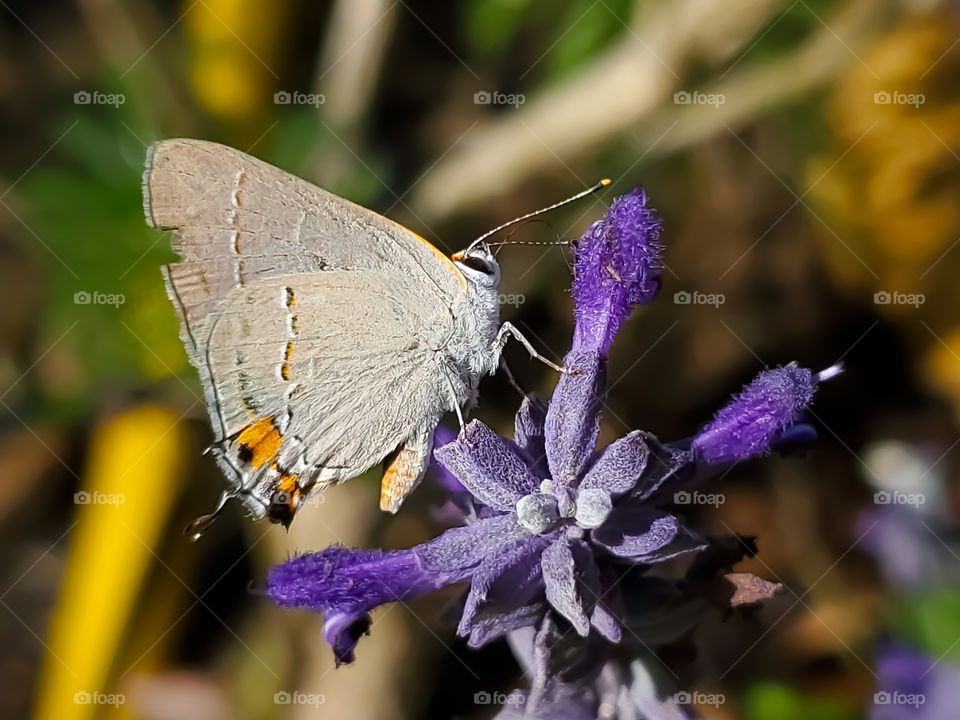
(236, 219)
(313, 322)
(319, 376)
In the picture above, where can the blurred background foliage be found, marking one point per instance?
(801, 197)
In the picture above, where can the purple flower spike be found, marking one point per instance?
(345, 585)
(767, 407)
(617, 268)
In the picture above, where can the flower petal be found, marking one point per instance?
(562, 562)
(528, 433)
(617, 267)
(506, 580)
(343, 631)
(458, 553)
(753, 420)
(573, 417)
(489, 466)
(636, 532)
(619, 466)
(607, 613)
(445, 479)
(604, 622)
(686, 541)
(669, 467)
(490, 626)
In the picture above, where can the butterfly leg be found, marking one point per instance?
(463, 425)
(404, 469)
(456, 406)
(508, 329)
(510, 378)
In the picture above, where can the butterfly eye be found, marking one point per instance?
(475, 262)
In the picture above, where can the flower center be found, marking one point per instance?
(593, 508)
(537, 512)
(540, 512)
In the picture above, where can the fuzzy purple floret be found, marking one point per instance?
(344, 585)
(617, 268)
(753, 420)
(344, 579)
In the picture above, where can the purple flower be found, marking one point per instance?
(346, 584)
(767, 407)
(617, 268)
(551, 522)
(912, 685)
(572, 681)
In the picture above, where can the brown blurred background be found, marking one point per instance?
(805, 158)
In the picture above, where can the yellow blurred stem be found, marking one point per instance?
(135, 466)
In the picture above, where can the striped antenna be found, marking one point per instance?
(583, 193)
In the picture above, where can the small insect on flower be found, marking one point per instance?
(550, 521)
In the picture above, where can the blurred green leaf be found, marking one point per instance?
(88, 212)
(786, 29)
(492, 24)
(582, 31)
(932, 622)
(304, 140)
(769, 700)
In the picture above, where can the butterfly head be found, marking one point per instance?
(478, 265)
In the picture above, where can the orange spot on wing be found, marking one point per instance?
(400, 475)
(288, 485)
(285, 368)
(286, 500)
(252, 434)
(261, 439)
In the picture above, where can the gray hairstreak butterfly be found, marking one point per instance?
(328, 338)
